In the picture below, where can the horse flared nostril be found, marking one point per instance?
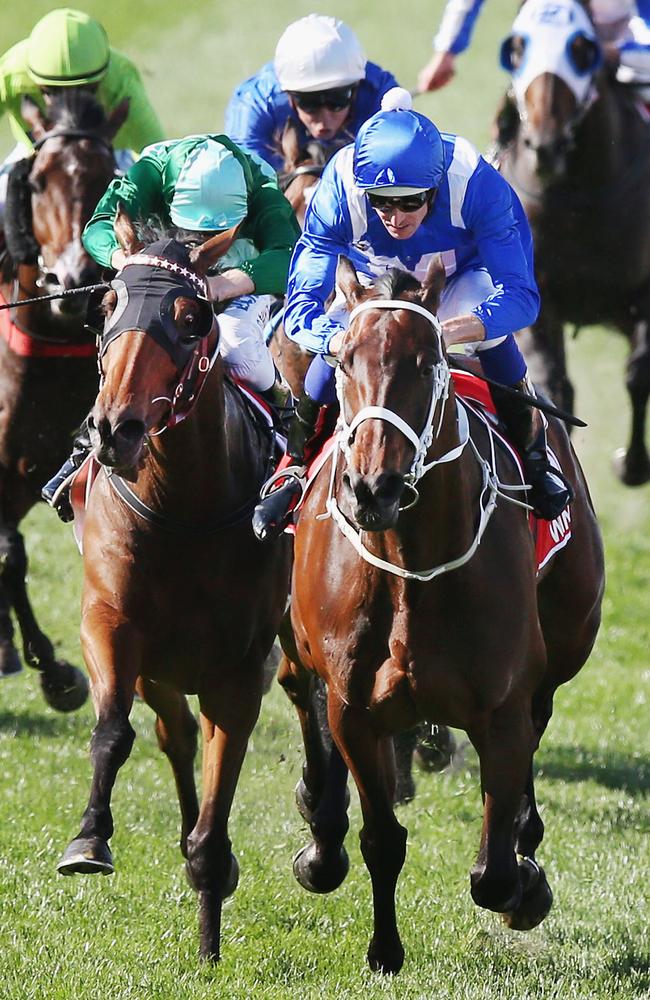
(129, 432)
(388, 488)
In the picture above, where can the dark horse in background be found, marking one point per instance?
(48, 367)
(409, 618)
(178, 597)
(582, 171)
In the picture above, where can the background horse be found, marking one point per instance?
(410, 618)
(48, 370)
(178, 595)
(580, 163)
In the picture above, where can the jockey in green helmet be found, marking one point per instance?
(68, 48)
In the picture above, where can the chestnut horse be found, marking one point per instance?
(580, 163)
(178, 596)
(410, 618)
(48, 367)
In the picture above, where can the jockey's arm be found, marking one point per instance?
(249, 123)
(142, 126)
(141, 193)
(452, 38)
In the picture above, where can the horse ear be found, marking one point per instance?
(32, 114)
(125, 231)
(117, 118)
(433, 284)
(290, 142)
(347, 281)
(203, 257)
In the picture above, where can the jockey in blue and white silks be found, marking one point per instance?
(320, 80)
(398, 196)
(623, 28)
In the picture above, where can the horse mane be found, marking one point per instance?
(22, 247)
(71, 108)
(153, 229)
(396, 282)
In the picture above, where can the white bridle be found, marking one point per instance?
(491, 486)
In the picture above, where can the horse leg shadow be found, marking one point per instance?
(176, 731)
(632, 465)
(64, 686)
(322, 794)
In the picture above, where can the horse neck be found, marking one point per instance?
(602, 148)
(208, 464)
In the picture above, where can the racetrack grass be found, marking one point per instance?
(134, 935)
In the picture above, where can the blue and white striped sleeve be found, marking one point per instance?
(456, 26)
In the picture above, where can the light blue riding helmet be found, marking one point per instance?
(398, 151)
(210, 192)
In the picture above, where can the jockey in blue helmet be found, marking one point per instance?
(397, 197)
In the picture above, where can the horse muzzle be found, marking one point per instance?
(119, 445)
(375, 499)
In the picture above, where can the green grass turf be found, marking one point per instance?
(134, 935)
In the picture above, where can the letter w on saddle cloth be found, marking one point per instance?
(549, 536)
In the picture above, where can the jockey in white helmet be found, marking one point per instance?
(320, 79)
(398, 196)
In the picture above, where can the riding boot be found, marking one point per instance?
(271, 515)
(280, 399)
(56, 492)
(550, 492)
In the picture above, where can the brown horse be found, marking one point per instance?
(581, 165)
(178, 596)
(410, 617)
(48, 368)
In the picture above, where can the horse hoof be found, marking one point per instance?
(489, 892)
(631, 472)
(435, 749)
(65, 688)
(317, 874)
(307, 804)
(233, 877)
(536, 899)
(404, 790)
(86, 856)
(10, 662)
(388, 961)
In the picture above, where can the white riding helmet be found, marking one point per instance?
(318, 53)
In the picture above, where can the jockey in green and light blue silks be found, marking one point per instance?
(200, 185)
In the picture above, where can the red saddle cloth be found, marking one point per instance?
(549, 536)
(30, 347)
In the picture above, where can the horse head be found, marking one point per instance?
(72, 166)
(553, 56)
(303, 167)
(152, 377)
(391, 374)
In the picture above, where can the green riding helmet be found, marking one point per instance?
(67, 48)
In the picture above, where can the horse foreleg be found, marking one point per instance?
(65, 687)
(176, 730)
(633, 465)
(9, 658)
(322, 794)
(505, 750)
(383, 840)
(114, 665)
(227, 721)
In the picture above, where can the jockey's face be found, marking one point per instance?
(323, 124)
(400, 224)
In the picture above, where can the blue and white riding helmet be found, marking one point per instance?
(398, 151)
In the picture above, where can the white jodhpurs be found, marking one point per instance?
(242, 346)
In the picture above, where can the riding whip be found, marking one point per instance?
(102, 286)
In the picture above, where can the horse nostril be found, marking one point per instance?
(130, 431)
(388, 487)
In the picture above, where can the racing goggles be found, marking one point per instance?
(400, 203)
(333, 100)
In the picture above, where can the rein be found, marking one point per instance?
(491, 486)
(74, 133)
(305, 170)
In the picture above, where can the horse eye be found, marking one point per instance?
(584, 54)
(512, 53)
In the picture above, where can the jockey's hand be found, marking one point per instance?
(118, 259)
(230, 285)
(437, 72)
(466, 329)
(334, 345)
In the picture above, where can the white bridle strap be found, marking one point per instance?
(397, 304)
